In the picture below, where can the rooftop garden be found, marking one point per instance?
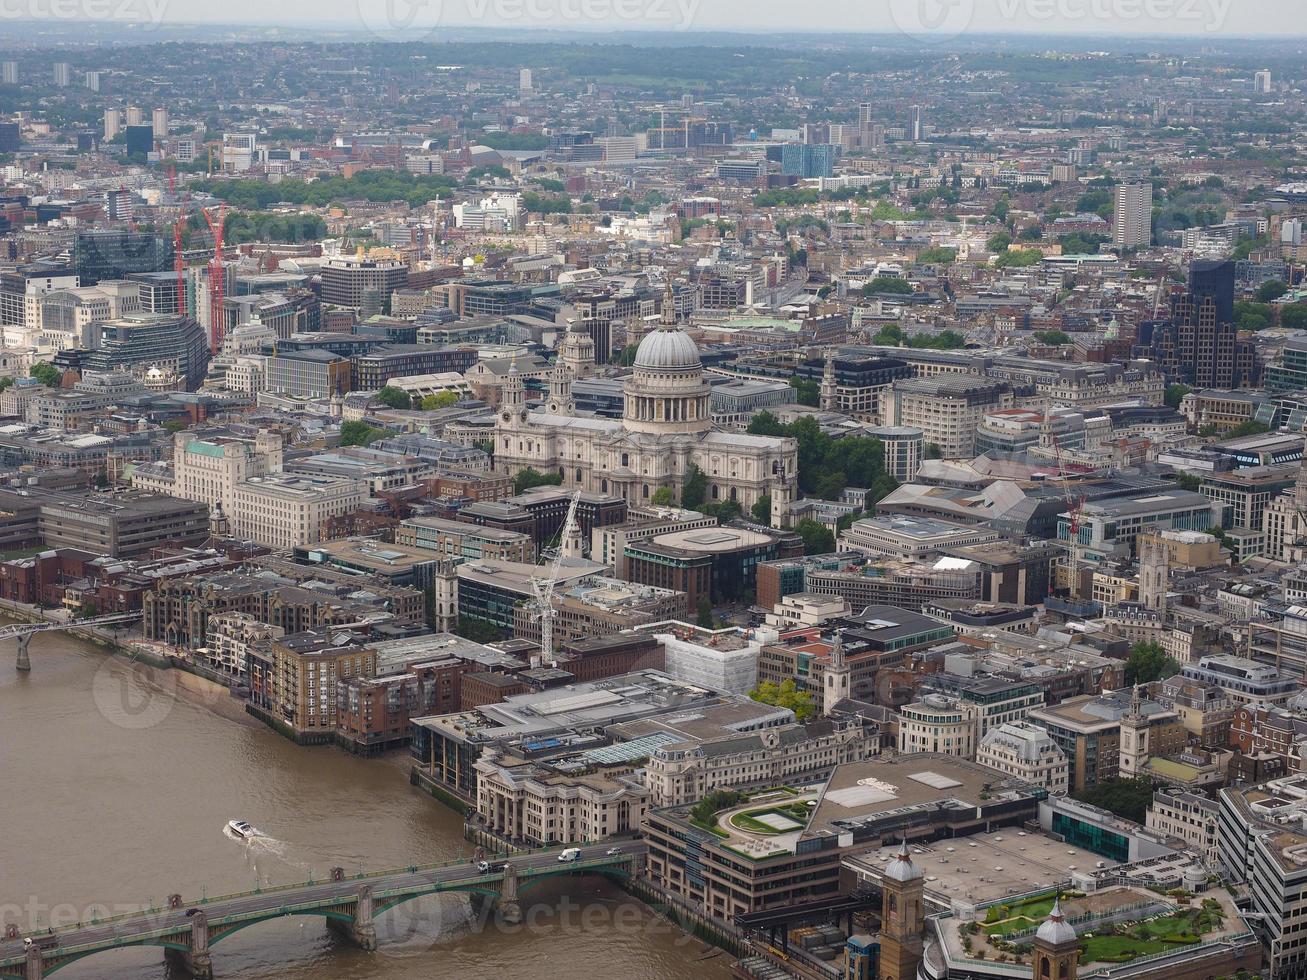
(769, 820)
(1007, 932)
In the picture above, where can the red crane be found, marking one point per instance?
(217, 278)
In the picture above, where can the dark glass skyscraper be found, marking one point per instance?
(116, 253)
(1199, 344)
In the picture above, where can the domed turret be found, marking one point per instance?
(1055, 930)
(901, 867)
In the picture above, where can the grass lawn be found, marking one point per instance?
(749, 821)
(1181, 929)
(1026, 914)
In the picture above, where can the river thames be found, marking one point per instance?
(119, 779)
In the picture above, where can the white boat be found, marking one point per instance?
(242, 829)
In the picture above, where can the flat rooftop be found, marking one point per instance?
(985, 867)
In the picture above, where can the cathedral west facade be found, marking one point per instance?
(665, 430)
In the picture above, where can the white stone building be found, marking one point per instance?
(666, 430)
(685, 772)
(938, 723)
(1026, 752)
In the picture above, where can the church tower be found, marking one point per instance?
(578, 351)
(444, 597)
(1154, 573)
(901, 918)
(1134, 738)
(1057, 948)
(838, 677)
(830, 392)
(560, 391)
(219, 526)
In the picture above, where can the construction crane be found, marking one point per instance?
(217, 278)
(542, 607)
(1074, 506)
(178, 227)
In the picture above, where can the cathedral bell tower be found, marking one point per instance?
(901, 918)
(560, 391)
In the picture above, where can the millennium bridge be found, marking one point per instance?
(350, 904)
(23, 632)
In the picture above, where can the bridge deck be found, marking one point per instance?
(156, 926)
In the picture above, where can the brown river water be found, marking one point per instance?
(116, 782)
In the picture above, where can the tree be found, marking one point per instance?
(1128, 798)
(695, 488)
(394, 398)
(817, 537)
(6, 384)
(890, 335)
(176, 425)
(999, 242)
(1189, 481)
(1269, 292)
(1019, 258)
(766, 424)
(1252, 316)
(724, 510)
(761, 510)
(785, 695)
(848, 520)
(808, 391)
(714, 803)
(704, 617)
(664, 497)
(1149, 662)
(359, 433)
(932, 451)
(1054, 338)
(479, 630)
(1249, 428)
(529, 479)
(938, 255)
(891, 285)
(47, 374)
(443, 399)
(1175, 395)
(1294, 317)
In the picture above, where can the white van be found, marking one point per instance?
(571, 854)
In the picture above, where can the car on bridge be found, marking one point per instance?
(570, 854)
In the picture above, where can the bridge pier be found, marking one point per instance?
(201, 960)
(510, 909)
(196, 961)
(34, 969)
(362, 929)
(24, 660)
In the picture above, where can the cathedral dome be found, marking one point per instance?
(668, 349)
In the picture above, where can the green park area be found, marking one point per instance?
(773, 819)
(1018, 916)
(1127, 941)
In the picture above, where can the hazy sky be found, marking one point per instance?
(927, 19)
